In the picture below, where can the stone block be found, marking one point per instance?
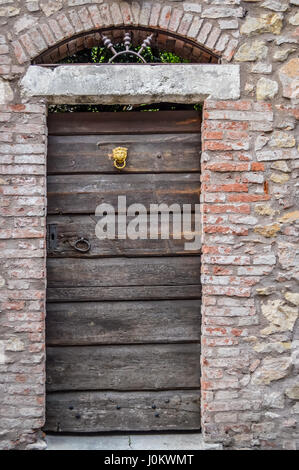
(108, 85)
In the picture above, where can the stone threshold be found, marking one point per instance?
(186, 441)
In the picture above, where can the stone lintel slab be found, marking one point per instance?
(132, 83)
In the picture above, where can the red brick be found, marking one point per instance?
(228, 311)
(47, 33)
(225, 230)
(56, 29)
(126, 13)
(242, 105)
(204, 32)
(225, 167)
(236, 115)
(175, 19)
(248, 197)
(230, 280)
(85, 18)
(225, 145)
(26, 108)
(116, 14)
(222, 43)
(215, 331)
(19, 52)
(255, 166)
(262, 106)
(165, 16)
(229, 125)
(230, 49)
(212, 373)
(213, 37)
(185, 24)
(244, 157)
(212, 135)
(29, 46)
(105, 14)
(216, 342)
(291, 109)
(220, 384)
(194, 28)
(38, 40)
(218, 198)
(220, 271)
(74, 17)
(229, 291)
(233, 260)
(236, 135)
(155, 14)
(220, 208)
(216, 250)
(233, 187)
(215, 219)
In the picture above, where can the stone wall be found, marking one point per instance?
(249, 166)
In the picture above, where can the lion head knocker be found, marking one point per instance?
(119, 156)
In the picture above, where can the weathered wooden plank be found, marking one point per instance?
(91, 412)
(75, 194)
(70, 228)
(95, 323)
(124, 123)
(143, 367)
(75, 272)
(82, 294)
(146, 153)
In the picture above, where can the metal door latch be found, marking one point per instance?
(52, 237)
(82, 241)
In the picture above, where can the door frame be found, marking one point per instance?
(217, 86)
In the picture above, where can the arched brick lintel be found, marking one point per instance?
(59, 31)
(163, 40)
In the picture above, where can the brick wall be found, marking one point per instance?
(249, 168)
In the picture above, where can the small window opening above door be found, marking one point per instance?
(101, 55)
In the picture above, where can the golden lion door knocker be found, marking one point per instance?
(119, 155)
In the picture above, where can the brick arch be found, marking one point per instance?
(72, 29)
(163, 40)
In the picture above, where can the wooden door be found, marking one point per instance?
(123, 319)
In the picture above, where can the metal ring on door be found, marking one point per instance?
(82, 240)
